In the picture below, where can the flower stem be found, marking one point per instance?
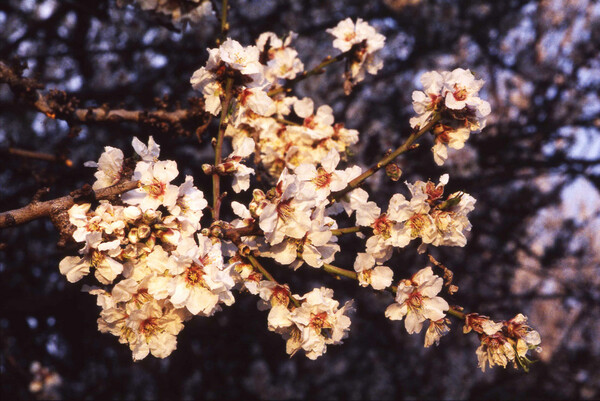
(339, 271)
(224, 24)
(219, 149)
(254, 262)
(346, 230)
(456, 313)
(355, 183)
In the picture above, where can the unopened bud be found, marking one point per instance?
(169, 236)
(258, 195)
(151, 241)
(439, 129)
(143, 231)
(216, 231)
(272, 194)
(208, 169)
(129, 252)
(133, 236)
(150, 216)
(227, 168)
(393, 171)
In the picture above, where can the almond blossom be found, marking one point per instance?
(417, 300)
(248, 79)
(110, 167)
(200, 279)
(318, 322)
(453, 95)
(154, 185)
(288, 212)
(379, 277)
(318, 245)
(364, 41)
(282, 62)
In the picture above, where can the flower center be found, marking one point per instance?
(281, 296)
(459, 94)
(284, 210)
(97, 258)
(194, 276)
(382, 226)
(318, 321)
(156, 189)
(417, 223)
(323, 178)
(149, 327)
(415, 300)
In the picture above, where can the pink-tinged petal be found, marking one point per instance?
(134, 197)
(284, 252)
(364, 261)
(140, 350)
(423, 275)
(202, 300)
(396, 311)
(434, 308)
(179, 292)
(432, 287)
(304, 108)
(413, 323)
(381, 277)
(74, 268)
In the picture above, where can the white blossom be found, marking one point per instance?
(417, 301)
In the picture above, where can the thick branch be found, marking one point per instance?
(36, 209)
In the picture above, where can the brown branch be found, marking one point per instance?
(36, 209)
(37, 155)
(58, 105)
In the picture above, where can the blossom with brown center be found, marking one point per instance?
(382, 226)
(417, 300)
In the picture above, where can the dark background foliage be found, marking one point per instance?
(534, 171)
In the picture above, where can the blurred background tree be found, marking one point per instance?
(535, 172)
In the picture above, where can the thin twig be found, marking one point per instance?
(219, 149)
(355, 183)
(319, 69)
(29, 154)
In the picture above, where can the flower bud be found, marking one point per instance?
(151, 241)
(143, 231)
(393, 171)
(208, 169)
(150, 216)
(132, 236)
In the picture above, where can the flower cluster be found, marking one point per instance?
(363, 42)
(503, 342)
(45, 383)
(179, 10)
(426, 215)
(286, 131)
(157, 267)
(147, 249)
(318, 321)
(417, 301)
(453, 97)
(293, 219)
